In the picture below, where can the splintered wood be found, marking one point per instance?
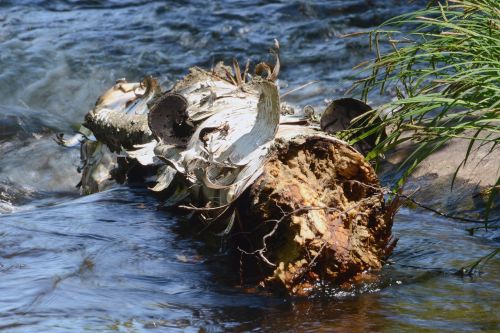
(303, 205)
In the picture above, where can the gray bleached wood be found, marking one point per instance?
(309, 203)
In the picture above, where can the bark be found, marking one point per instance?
(310, 206)
(120, 116)
(349, 113)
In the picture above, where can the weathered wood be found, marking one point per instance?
(340, 114)
(119, 118)
(310, 205)
(321, 214)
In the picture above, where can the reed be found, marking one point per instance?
(442, 66)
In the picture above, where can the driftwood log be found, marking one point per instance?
(304, 206)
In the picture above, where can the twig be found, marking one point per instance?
(311, 264)
(298, 88)
(444, 214)
(409, 198)
(204, 209)
(469, 270)
(260, 252)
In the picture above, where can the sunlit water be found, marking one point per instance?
(112, 261)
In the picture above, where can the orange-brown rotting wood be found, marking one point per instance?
(333, 223)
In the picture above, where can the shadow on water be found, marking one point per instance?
(111, 261)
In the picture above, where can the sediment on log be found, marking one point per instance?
(309, 206)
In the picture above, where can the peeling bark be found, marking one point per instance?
(119, 118)
(309, 205)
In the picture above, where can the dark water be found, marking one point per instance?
(111, 261)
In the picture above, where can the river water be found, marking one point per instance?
(113, 262)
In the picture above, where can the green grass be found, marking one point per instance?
(442, 66)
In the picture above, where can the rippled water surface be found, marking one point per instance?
(112, 261)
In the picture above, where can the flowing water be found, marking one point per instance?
(111, 261)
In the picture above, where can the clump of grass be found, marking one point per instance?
(443, 67)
